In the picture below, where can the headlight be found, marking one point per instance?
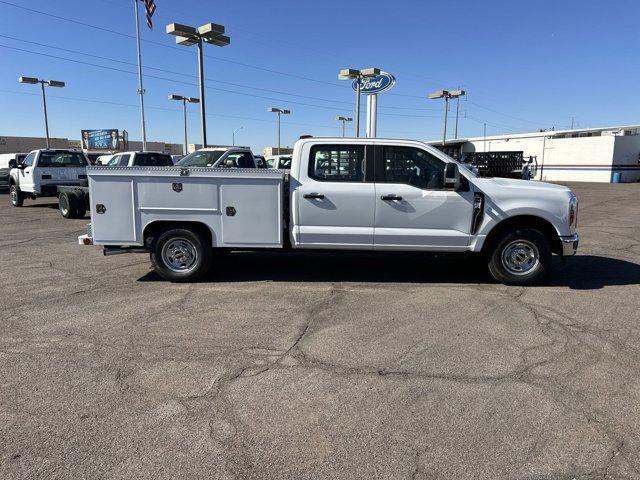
(573, 212)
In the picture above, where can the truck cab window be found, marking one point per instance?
(61, 159)
(337, 163)
(153, 160)
(28, 161)
(413, 166)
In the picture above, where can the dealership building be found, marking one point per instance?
(605, 154)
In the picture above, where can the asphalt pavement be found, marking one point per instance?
(319, 366)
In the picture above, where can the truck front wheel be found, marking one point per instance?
(17, 197)
(181, 255)
(520, 257)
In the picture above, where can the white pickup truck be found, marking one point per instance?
(44, 173)
(341, 193)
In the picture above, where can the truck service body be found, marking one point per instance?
(341, 193)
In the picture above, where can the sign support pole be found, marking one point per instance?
(372, 115)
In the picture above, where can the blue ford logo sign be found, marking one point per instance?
(377, 84)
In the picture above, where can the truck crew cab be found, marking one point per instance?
(341, 193)
(43, 172)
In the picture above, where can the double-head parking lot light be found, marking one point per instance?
(279, 111)
(209, 33)
(446, 94)
(354, 74)
(344, 120)
(184, 101)
(51, 83)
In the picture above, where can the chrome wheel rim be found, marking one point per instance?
(14, 195)
(520, 257)
(179, 255)
(64, 206)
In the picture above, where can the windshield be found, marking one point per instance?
(202, 158)
(61, 159)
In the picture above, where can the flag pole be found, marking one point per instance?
(140, 89)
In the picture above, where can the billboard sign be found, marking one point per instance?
(378, 84)
(107, 139)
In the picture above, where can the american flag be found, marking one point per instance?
(150, 7)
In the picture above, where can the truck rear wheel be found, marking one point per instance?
(17, 197)
(181, 255)
(520, 257)
(67, 205)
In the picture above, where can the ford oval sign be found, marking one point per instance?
(378, 84)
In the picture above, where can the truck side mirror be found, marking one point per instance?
(452, 176)
(13, 163)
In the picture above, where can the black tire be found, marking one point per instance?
(181, 255)
(520, 257)
(81, 208)
(16, 196)
(67, 205)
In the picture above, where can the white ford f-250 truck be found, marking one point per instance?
(341, 193)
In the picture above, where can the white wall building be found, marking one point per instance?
(587, 155)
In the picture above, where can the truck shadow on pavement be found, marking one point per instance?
(52, 206)
(583, 272)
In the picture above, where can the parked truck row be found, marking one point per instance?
(339, 194)
(62, 173)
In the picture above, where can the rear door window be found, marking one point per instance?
(337, 163)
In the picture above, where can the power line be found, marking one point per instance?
(180, 49)
(119, 104)
(77, 52)
(193, 84)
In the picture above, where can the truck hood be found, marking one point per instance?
(521, 185)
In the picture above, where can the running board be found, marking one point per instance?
(106, 251)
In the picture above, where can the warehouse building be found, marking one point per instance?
(26, 144)
(608, 154)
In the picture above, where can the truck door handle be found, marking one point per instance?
(391, 197)
(313, 195)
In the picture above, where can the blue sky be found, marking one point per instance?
(525, 65)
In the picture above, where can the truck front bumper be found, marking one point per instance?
(569, 245)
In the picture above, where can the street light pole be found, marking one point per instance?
(46, 120)
(279, 111)
(188, 36)
(203, 118)
(447, 95)
(358, 75)
(446, 109)
(233, 136)
(344, 120)
(184, 101)
(51, 83)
